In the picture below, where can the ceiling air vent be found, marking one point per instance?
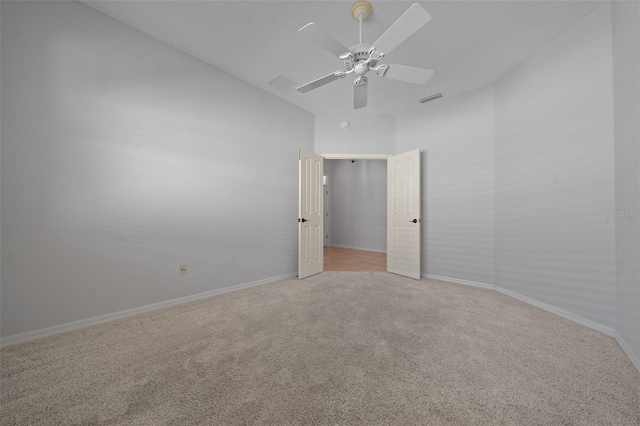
(430, 98)
(283, 83)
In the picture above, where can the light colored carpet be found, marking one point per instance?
(364, 348)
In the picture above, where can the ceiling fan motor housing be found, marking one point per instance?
(360, 54)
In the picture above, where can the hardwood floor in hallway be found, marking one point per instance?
(344, 259)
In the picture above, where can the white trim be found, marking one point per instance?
(30, 335)
(549, 308)
(356, 156)
(568, 315)
(635, 360)
(458, 281)
(357, 248)
(23, 337)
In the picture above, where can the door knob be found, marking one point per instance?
(414, 221)
(304, 220)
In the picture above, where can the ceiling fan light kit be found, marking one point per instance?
(362, 58)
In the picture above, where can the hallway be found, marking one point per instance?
(345, 259)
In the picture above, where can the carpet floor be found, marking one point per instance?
(352, 348)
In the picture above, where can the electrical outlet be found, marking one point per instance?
(433, 254)
(229, 262)
(183, 269)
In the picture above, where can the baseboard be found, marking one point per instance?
(358, 248)
(549, 308)
(458, 281)
(634, 358)
(568, 315)
(30, 335)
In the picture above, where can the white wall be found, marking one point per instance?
(456, 139)
(365, 135)
(555, 173)
(626, 96)
(358, 204)
(122, 158)
(0, 175)
(328, 171)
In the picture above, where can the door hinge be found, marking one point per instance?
(298, 220)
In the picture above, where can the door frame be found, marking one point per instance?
(355, 156)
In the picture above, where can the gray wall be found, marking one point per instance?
(358, 204)
(456, 139)
(327, 169)
(123, 158)
(555, 173)
(365, 134)
(0, 172)
(626, 95)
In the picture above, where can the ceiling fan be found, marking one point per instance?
(362, 58)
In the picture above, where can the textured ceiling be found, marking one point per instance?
(468, 44)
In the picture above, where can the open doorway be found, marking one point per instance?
(403, 212)
(355, 213)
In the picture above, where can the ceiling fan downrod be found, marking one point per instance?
(361, 11)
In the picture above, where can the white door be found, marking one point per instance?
(403, 214)
(310, 215)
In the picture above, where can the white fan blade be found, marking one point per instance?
(319, 36)
(318, 82)
(360, 96)
(410, 22)
(409, 74)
